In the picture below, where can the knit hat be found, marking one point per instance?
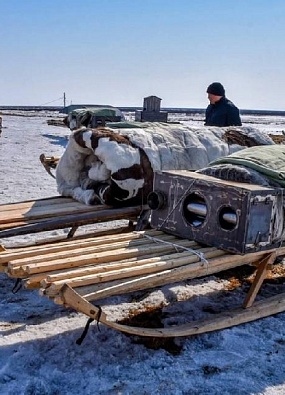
(216, 88)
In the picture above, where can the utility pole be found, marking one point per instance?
(64, 100)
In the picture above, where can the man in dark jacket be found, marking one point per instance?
(221, 111)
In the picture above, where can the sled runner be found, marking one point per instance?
(49, 163)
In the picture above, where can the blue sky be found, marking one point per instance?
(119, 51)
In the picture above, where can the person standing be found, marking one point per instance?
(221, 111)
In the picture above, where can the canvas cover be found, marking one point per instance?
(182, 147)
(267, 160)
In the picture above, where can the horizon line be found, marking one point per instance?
(131, 108)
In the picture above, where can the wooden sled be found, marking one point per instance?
(278, 138)
(49, 163)
(56, 213)
(77, 272)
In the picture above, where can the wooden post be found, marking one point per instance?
(263, 267)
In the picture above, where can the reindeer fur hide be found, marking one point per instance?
(115, 166)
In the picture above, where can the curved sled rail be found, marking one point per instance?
(261, 309)
(49, 163)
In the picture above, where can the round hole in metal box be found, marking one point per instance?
(228, 218)
(195, 209)
(156, 200)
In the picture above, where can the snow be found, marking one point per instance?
(39, 354)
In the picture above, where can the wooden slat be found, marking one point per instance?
(10, 225)
(94, 258)
(10, 210)
(69, 245)
(45, 219)
(65, 274)
(168, 276)
(34, 280)
(38, 202)
(74, 219)
(131, 271)
(47, 211)
(77, 253)
(109, 266)
(113, 230)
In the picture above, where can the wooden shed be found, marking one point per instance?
(151, 111)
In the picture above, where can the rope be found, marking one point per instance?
(17, 286)
(88, 323)
(179, 201)
(49, 102)
(177, 247)
(84, 333)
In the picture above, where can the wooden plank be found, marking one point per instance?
(40, 220)
(10, 225)
(68, 249)
(166, 277)
(94, 258)
(69, 245)
(76, 252)
(39, 202)
(110, 266)
(128, 271)
(114, 229)
(121, 232)
(42, 211)
(35, 220)
(48, 211)
(74, 220)
(33, 281)
(138, 283)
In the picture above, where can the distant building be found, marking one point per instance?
(151, 111)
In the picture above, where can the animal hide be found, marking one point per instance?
(115, 165)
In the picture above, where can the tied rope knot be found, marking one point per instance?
(179, 247)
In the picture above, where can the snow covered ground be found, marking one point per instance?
(39, 354)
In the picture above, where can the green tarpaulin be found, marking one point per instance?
(268, 160)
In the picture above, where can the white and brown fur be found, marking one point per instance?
(115, 167)
(101, 166)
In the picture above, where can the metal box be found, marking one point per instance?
(237, 217)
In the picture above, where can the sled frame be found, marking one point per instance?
(249, 311)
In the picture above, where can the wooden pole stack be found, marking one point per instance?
(99, 267)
